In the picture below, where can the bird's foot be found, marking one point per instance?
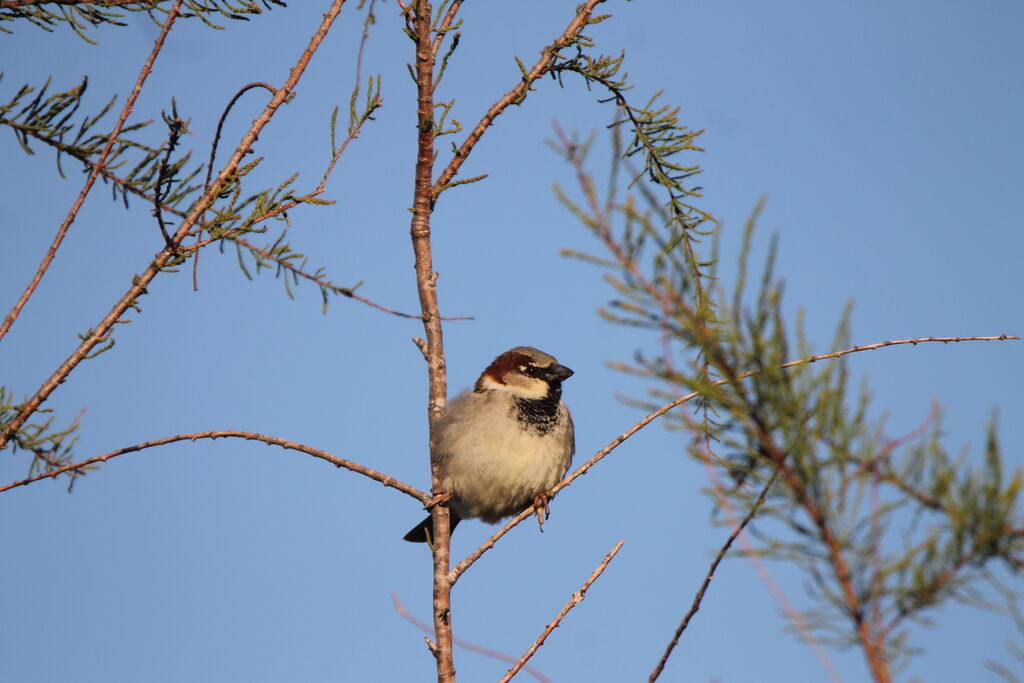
(439, 498)
(541, 509)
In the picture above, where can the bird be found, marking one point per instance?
(504, 443)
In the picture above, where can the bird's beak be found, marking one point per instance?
(557, 373)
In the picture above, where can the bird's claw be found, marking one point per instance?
(541, 509)
(439, 498)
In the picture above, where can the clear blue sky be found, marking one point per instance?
(886, 137)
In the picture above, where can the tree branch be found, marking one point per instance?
(465, 644)
(250, 436)
(576, 599)
(707, 579)
(426, 285)
(445, 26)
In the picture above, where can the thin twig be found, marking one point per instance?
(377, 103)
(370, 19)
(129, 104)
(576, 599)
(465, 644)
(213, 156)
(707, 579)
(585, 467)
(223, 117)
(445, 25)
(250, 436)
(788, 609)
(347, 292)
(163, 174)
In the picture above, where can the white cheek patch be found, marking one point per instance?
(527, 388)
(538, 390)
(533, 389)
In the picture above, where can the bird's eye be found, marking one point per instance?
(530, 370)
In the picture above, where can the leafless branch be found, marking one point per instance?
(465, 644)
(426, 285)
(221, 434)
(576, 599)
(223, 117)
(209, 166)
(707, 579)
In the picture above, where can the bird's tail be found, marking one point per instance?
(424, 531)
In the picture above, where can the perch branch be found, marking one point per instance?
(221, 434)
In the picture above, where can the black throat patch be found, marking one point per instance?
(539, 415)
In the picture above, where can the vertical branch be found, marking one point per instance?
(433, 351)
(426, 278)
(97, 168)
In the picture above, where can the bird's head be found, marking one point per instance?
(525, 372)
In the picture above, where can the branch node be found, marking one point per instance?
(421, 345)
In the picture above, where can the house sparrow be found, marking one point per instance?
(504, 443)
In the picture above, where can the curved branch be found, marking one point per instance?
(223, 116)
(250, 436)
